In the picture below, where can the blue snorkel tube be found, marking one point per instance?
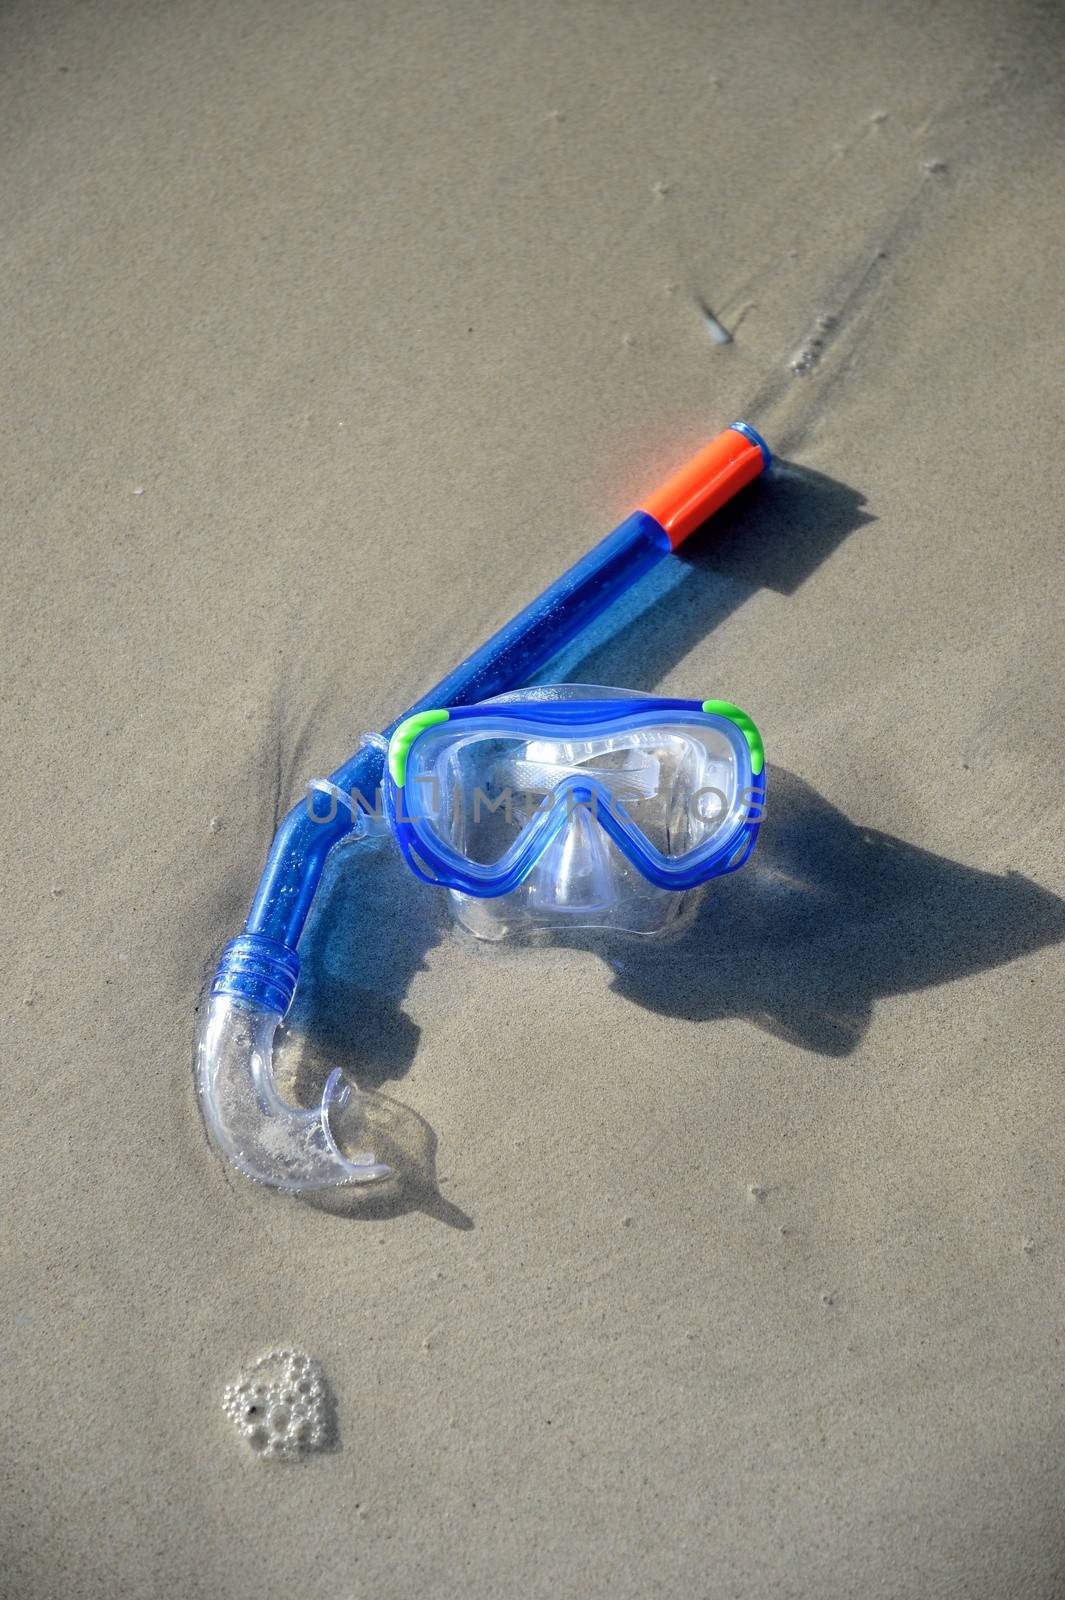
(292, 1148)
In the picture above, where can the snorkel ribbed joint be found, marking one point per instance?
(253, 967)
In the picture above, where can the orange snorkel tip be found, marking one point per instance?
(721, 469)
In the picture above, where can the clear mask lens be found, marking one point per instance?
(480, 793)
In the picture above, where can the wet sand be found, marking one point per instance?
(332, 333)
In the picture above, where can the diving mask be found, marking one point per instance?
(574, 805)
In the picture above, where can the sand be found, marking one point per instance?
(332, 332)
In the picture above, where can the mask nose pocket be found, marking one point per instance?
(576, 872)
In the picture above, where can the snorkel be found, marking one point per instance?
(296, 1149)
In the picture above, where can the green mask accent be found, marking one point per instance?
(725, 708)
(404, 736)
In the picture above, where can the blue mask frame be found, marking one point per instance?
(434, 861)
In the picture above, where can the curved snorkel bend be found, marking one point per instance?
(295, 1148)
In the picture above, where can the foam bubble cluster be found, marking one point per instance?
(280, 1405)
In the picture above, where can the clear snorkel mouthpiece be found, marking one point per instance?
(288, 1147)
